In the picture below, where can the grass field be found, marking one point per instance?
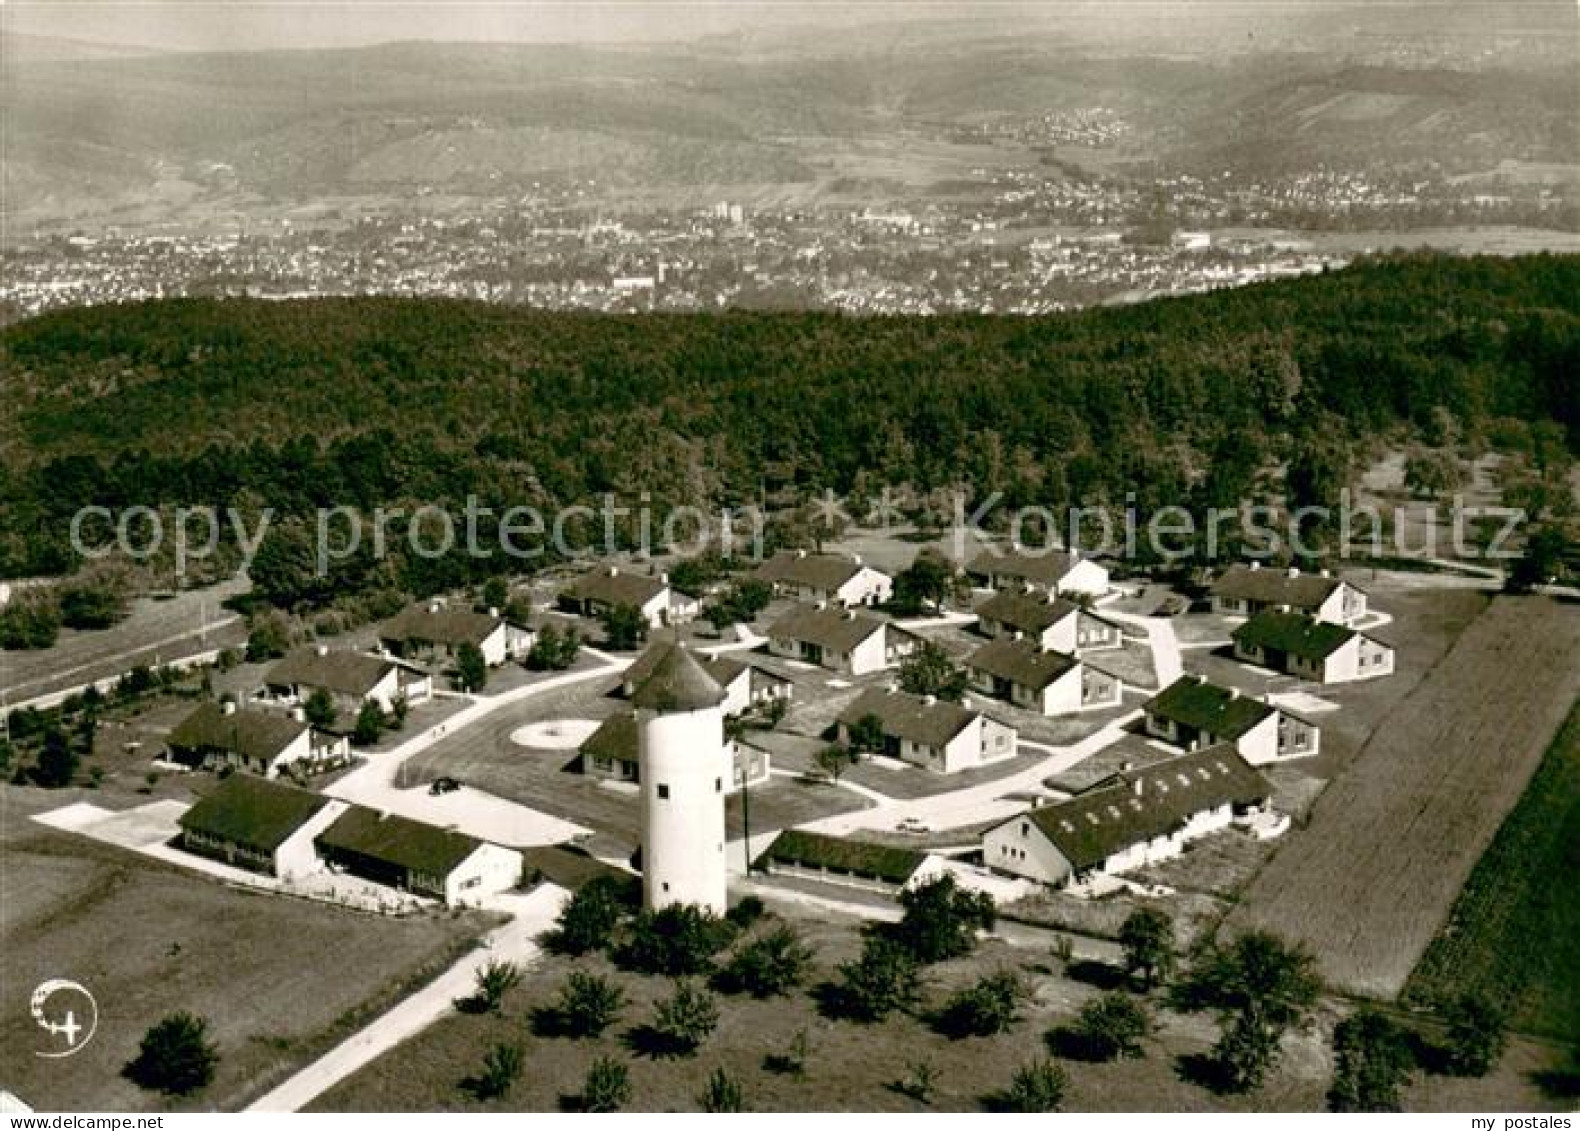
(279, 980)
(851, 1067)
(1515, 930)
(1370, 879)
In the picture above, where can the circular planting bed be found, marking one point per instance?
(554, 734)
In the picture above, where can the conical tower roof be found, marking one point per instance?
(677, 682)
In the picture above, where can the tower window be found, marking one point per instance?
(718, 785)
(663, 792)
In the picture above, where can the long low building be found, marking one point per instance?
(846, 862)
(349, 678)
(1192, 713)
(436, 632)
(1308, 648)
(932, 733)
(260, 825)
(1036, 679)
(218, 736)
(412, 856)
(599, 590)
(1245, 590)
(839, 639)
(1136, 817)
(1055, 623)
(834, 578)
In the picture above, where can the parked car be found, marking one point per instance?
(443, 785)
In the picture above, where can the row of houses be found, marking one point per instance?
(289, 833)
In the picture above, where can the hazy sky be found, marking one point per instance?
(222, 24)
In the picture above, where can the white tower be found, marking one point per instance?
(684, 763)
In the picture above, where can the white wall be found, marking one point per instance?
(488, 871)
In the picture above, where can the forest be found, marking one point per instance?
(367, 401)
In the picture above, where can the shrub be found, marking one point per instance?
(676, 941)
(607, 1087)
(722, 1094)
(1477, 1034)
(1036, 1087)
(941, 919)
(682, 1021)
(989, 1006)
(769, 966)
(589, 1004)
(501, 1069)
(588, 920)
(1371, 1062)
(1110, 1027)
(884, 979)
(175, 1056)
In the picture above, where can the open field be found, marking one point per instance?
(278, 979)
(156, 632)
(850, 1067)
(1515, 930)
(1370, 879)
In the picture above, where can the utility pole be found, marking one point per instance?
(746, 809)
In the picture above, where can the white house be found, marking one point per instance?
(831, 578)
(1050, 683)
(936, 735)
(1312, 649)
(597, 591)
(1055, 623)
(841, 640)
(1245, 590)
(1050, 570)
(220, 735)
(1192, 713)
(434, 631)
(412, 856)
(260, 825)
(350, 678)
(1136, 817)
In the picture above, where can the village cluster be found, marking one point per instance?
(696, 723)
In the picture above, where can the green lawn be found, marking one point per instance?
(1515, 929)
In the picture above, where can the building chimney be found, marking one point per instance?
(1327, 573)
(299, 714)
(1126, 766)
(614, 571)
(856, 559)
(1293, 571)
(321, 649)
(1139, 785)
(663, 578)
(227, 707)
(820, 605)
(1234, 693)
(493, 612)
(929, 700)
(800, 553)
(434, 606)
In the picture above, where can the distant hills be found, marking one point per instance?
(92, 128)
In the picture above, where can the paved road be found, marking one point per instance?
(1160, 637)
(516, 942)
(481, 814)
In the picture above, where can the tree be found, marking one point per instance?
(589, 1004)
(501, 1069)
(1112, 1026)
(676, 940)
(175, 1056)
(930, 671)
(989, 1006)
(588, 919)
(1546, 549)
(91, 605)
(624, 628)
(1477, 1034)
(554, 650)
(1432, 473)
(1371, 1062)
(941, 919)
(607, 1086)
(370, 725)
(494, 980)
(769, 966)
(722, 1093)
(1261, 987)
(921, 1077)
(268, 637)
(1036, 1087)
(833, 761)
(1147, 936)
(883, 980)
(29, 623)
(496, 593)
(682, 1021)
(927, 583)
(320, 709)
(471, 668)
(57, 760)
(866, 735)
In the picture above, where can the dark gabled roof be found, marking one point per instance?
(1022, 662)
(818, 571)
(613, 586)
(1045, 567)
(1029, 610)
(615, 739)
(252, 812)
(677, 682)
(393, 839)
(349, 673)
(1294, 633)
(251, 733)
(1274, 586)
(1137, 805)
(724, 669)
(815, 850)
(1219, 711)
(920, 720)
(833, 628)
(440, 624)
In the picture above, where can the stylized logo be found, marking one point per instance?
(67, 1012)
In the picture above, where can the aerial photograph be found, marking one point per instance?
(764, 556)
